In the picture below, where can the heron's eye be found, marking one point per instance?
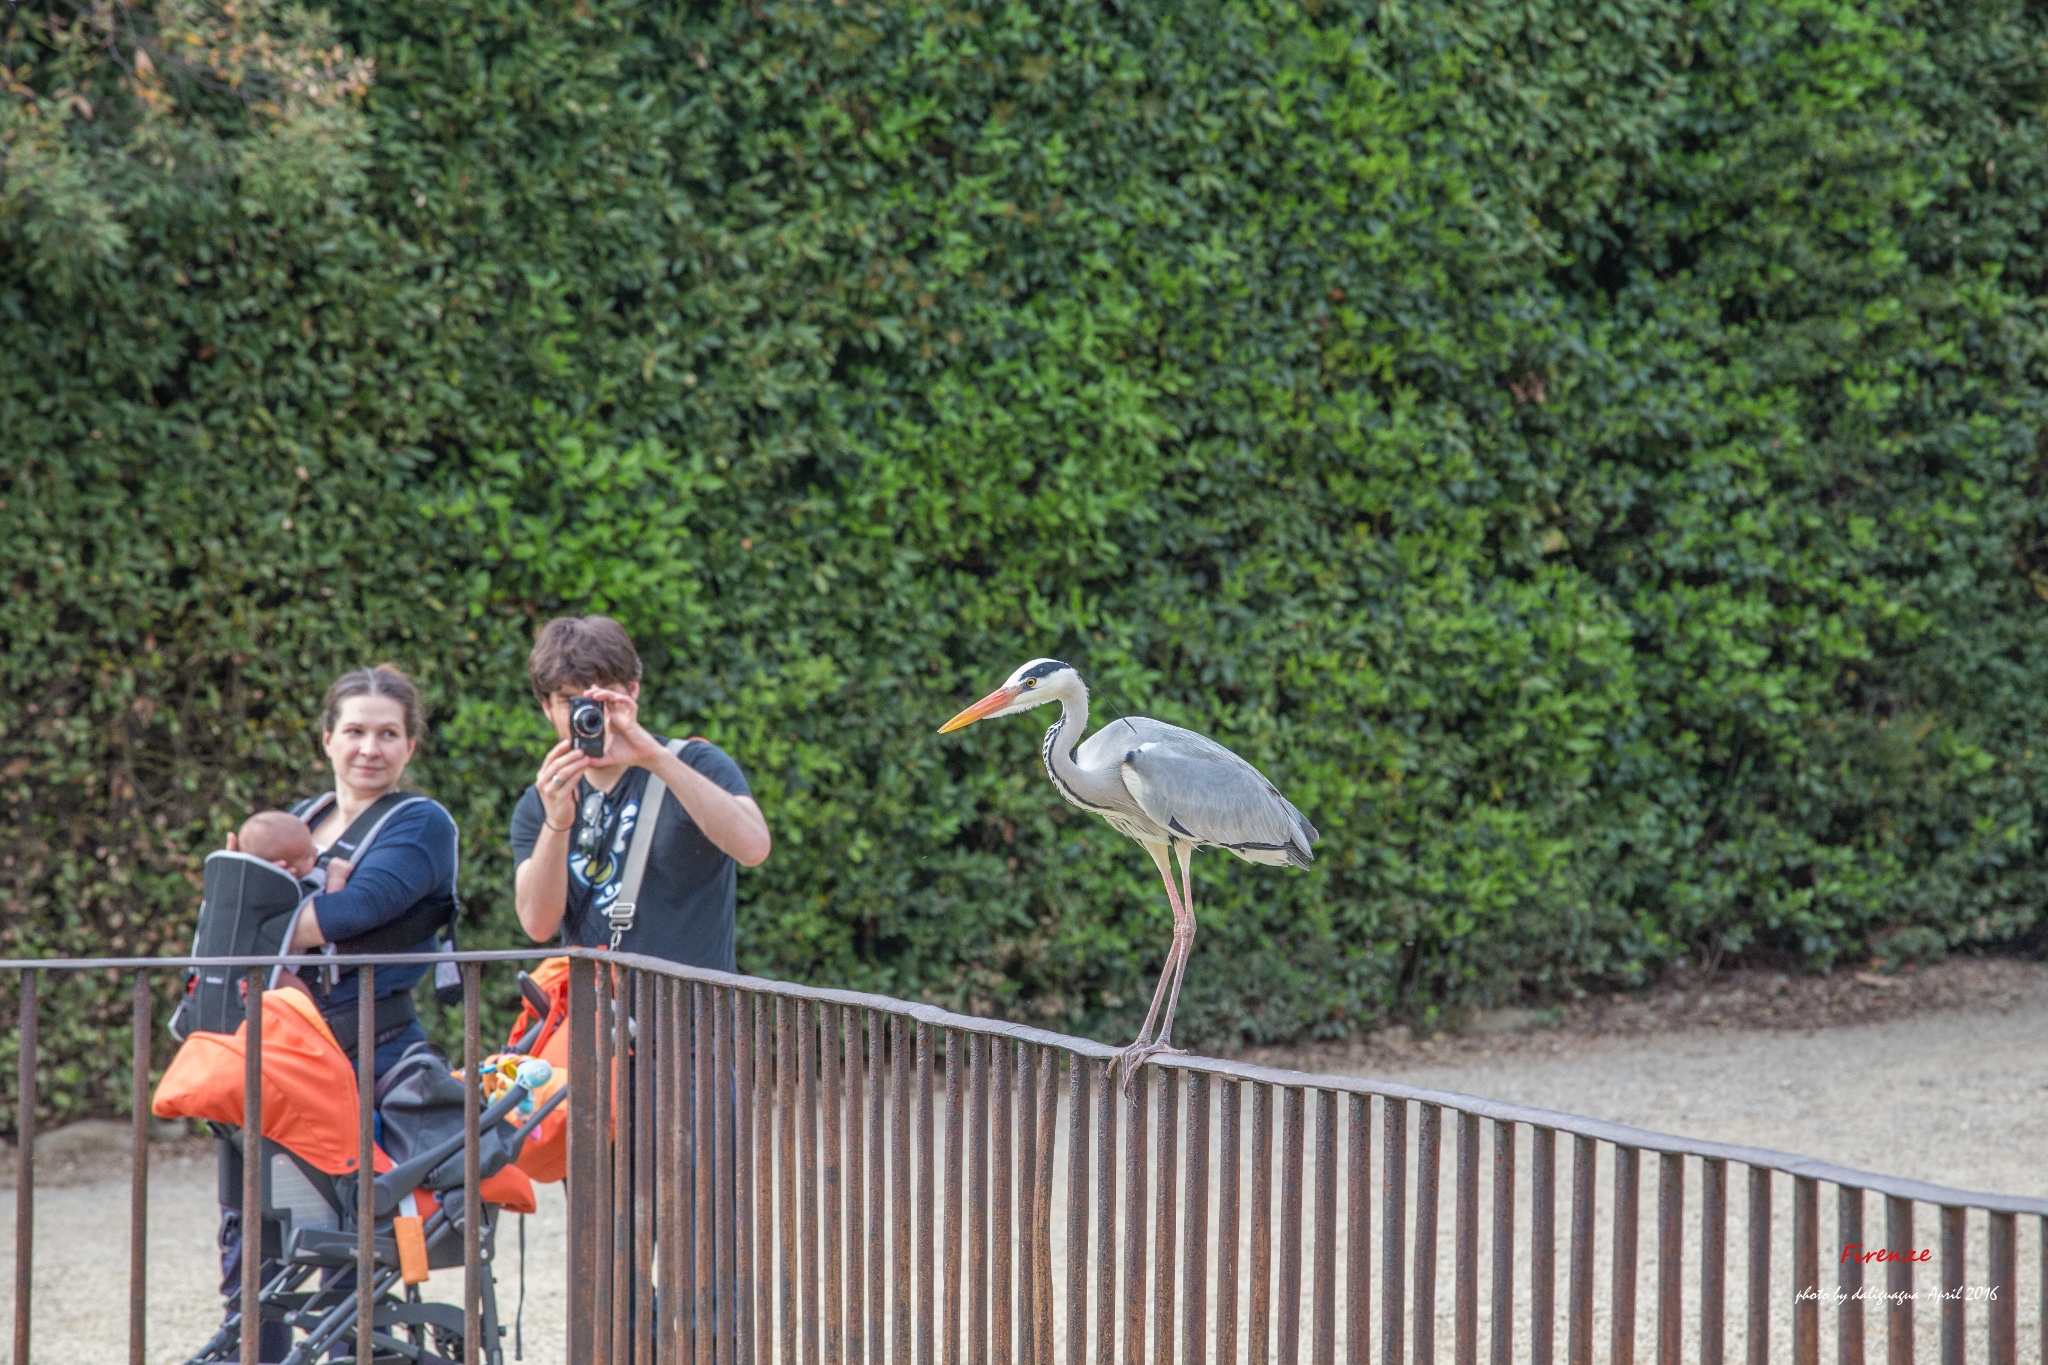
(1031, 682)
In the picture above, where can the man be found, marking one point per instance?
(573, 827)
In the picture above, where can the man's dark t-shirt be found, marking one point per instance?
(685, 912)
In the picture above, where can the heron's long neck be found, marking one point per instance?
(1091, 790)
(1066, 732)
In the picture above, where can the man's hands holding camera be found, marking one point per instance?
(622, 743)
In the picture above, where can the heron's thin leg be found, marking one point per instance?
(1183, 940)
(1167, 968)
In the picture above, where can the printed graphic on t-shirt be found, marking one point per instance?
(604, 870)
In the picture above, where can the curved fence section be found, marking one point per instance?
(768, 1174)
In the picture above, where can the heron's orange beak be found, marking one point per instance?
(981, 710)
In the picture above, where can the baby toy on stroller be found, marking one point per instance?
(309, 1148)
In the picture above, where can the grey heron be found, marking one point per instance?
(1172, 790)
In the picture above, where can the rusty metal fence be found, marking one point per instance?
(770, 1174)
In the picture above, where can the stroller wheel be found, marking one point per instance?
(450, 1345)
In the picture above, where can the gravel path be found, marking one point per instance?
(1956, 1095)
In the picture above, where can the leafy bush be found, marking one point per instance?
(1587, 455)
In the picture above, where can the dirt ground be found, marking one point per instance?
(1939, 1074)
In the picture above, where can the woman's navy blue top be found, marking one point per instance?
(411, 861)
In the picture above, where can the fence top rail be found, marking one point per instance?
(1618, 1134)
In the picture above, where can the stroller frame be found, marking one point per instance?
(406, 1330)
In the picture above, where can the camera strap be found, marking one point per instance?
(622, 909)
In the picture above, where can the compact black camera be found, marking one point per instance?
(586, 725)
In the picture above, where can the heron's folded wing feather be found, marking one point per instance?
(1202, 791)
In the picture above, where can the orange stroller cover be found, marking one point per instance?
(309, 1092)
(545, 1157)
(309, 1085)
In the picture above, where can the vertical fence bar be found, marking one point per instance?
(1849, 1275)
(1670, 1247)
(366, 1164)
(1195, 1253)
(584, 1133)
(764, 1180)
(809, 1273)
(1358, 1239)
(620, 1210)
(748, 1145)
(977, 1201)
(1043, 1210)
(1429, 1138)
(472, 1157)
(1287, 1324)
(1078, 1131)
(902, 1191)
(1259, 1320)
(1952, 1276)
(724, 1184)
(647, 1060)
(1579, 1312)
(1898, 1235)
(1759, 1266)
(669, 1122)
(1135, 1163)
(832, 1192)
(1105, 1216)
(786, 1067)
(879, 1222)
(678, 1064)
(854, 1182)
(1230, 1183)
(1503, 1242)
(705, 1083)
(927, 1199)
(1713, 1261)
(1027, 1202)
(1543, 1246)
(619, 1204)
(1165, 1189)
(1323, 1337)
(602, 1210)
(956, 1151)
(1627, 1220)
(2002, 1338)
(1805, 1271)
(1465, 1271)
(1393, 1230)
(1002, 1170)
(138, 1171)
(25, 1166)
(252, 1174)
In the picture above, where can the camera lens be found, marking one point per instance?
(587, 721)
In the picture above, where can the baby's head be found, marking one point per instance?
(279, 837)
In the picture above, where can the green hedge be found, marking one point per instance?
(1589, 455)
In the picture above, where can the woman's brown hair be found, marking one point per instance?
(378, 680)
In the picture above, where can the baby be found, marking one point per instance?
(280, 837)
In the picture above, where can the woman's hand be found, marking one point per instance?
(556, 783)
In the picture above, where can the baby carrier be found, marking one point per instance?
(249, 908)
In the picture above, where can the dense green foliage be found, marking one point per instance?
(1586, 454)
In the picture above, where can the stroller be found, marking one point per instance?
(308, 1148)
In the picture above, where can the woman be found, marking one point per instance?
(400, 892)
(400, 850)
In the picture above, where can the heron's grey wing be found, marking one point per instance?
(1206, 794)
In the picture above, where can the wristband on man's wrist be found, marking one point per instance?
(559, 829)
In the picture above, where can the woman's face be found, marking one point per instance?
(368, 745)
